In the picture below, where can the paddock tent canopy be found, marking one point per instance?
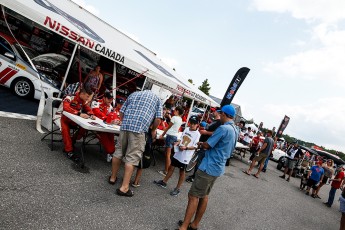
(80, 26)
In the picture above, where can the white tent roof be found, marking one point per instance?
(78, 25)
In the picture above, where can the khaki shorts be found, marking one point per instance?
(289, 163)
(261, 158)
(202, 184)
(130, 147)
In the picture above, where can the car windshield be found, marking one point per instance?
(197, 110)
(30, 52)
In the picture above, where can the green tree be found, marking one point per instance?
(191, 81)
(205, 87)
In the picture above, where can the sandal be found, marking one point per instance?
(180, 222)
(112, 182)
(246, 172)
(255, 176)
(129, 193)
(135, 185)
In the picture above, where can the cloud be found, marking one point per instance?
(310, 10)
(321, 58)
(309, 122)
(92, 9)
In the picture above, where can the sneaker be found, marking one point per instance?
(312, 195)
(175, 192)
(282, 176)
(160, 183)
(73, 156)
(326, 203)
(162, 172)
(190, 179)
(263, 170)
(307, 193)
(249, 162)
(288, 179)
(109, 157)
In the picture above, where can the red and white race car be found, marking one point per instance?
(17, 74)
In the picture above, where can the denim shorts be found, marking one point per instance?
(169, 141)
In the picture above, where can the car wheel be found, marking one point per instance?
(23, 87)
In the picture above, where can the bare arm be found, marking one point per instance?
(155, 124)
(262, 147)
(100, 81)
(166, 129)
(204, 145)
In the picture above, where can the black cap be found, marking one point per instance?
(108, 95)
(194, 120)
(120, 101)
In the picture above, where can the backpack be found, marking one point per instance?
(146, 158)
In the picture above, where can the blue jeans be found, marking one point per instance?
(331, 196)
(266, 162)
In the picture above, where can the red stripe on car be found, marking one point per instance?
(8, 76)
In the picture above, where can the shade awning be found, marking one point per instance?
(80, 26)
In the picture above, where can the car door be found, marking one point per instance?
(7, 62)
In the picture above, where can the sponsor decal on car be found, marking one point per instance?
(20, 66)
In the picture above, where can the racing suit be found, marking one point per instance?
(102, 110)
(74, 105)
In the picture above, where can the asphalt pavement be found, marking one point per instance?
(39, 189)
(13, 104)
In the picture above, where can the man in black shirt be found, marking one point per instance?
(205, 134)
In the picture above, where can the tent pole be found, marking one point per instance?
(142, 88)
(190, 109)
(114, 82)
(68, 68)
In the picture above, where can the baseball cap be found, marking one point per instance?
(229, 110)
(213, 109)
(203, 124)
(120, 101)
(194, 120)
(108, 95)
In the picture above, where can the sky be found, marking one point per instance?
(294, 48)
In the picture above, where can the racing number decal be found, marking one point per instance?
(6, 74)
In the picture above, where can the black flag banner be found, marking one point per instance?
(234, 85)
(282, 126)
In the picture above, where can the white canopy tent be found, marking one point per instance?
(80, 26)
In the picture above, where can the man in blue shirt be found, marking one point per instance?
(218, 147)
(137, 114)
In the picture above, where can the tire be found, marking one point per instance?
(23, 87)
(192, 162)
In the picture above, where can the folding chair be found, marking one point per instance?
(55, 122)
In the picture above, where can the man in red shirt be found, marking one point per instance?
(337, 183)
(77, 105)
(104, 110)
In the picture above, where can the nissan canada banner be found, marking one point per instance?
(234, 85)
(282, 126)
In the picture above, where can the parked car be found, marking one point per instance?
(337, 160)
(17, 74)
(277, 155)
(197, 111)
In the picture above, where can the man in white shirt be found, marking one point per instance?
(292, 155)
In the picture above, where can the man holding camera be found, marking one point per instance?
(293, 154)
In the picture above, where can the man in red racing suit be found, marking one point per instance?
(103, 110)
(77, 105)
